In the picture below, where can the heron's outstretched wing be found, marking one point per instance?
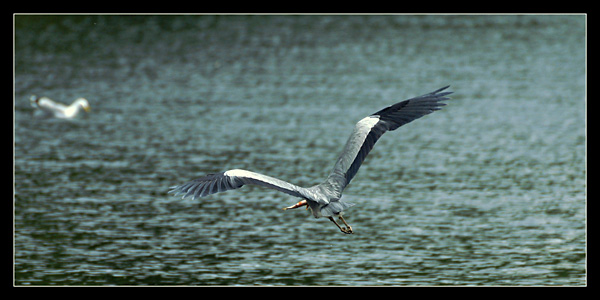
(229, 180)
(368, 130)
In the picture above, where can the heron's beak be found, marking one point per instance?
(301, 203)
(87, 108)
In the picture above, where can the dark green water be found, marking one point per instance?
(489, 191)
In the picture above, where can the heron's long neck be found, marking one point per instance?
(74, 108)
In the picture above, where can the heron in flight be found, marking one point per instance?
(325, 199)
(45, 107)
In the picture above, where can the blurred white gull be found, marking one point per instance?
(45, 107)
(324, 199)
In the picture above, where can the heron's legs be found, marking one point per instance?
(348, 227)
(336, 224)
(344, 230)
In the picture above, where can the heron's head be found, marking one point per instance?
(84, 103)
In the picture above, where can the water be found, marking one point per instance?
(489, 191)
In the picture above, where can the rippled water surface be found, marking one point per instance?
(489, 191)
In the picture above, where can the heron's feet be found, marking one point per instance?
(346, 230)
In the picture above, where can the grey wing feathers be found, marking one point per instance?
(229, 180)
(368, 130)
(408, 110)
(206, 185)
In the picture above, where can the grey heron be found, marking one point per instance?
(325, 199)
(45, 107)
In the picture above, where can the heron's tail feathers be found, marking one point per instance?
(335, 208)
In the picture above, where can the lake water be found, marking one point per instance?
(491, 190)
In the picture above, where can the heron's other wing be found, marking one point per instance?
(229, 180)
(409, 110)
(368, 130)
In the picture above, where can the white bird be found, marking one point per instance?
(45, 107)
(325, 199)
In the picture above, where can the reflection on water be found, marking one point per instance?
(488, 191)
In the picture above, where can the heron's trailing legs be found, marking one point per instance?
(347, 229)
